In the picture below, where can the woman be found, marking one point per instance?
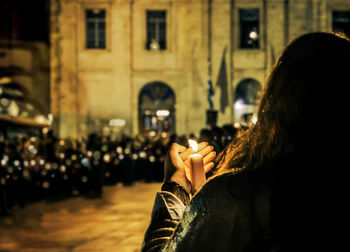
(290, 193)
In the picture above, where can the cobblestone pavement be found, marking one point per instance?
(115, 222)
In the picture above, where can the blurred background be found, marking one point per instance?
(93, 92)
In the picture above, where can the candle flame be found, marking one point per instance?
(193, 144)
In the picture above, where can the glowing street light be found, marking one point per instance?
(253, 35)
(162, 113)
(154, 45)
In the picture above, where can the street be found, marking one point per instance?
(115, 222)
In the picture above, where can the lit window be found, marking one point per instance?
(95, 20)
(249, 28)
(341, 22)
(156, 30)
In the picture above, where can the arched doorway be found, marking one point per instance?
(157, 108)
(247, 95)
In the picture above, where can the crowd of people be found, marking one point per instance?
(47, 168)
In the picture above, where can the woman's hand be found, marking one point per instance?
(176, 166)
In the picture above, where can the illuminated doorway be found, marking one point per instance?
(247, 95)
(157, 108)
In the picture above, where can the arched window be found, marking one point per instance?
(247, 95)
(157, 108)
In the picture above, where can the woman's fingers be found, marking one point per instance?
(208, 158)
(207, 162)
(202, 145)
(174, 154)
(205, 151)
(185, 154)
(203, 148)
(187, 162)
(188, 173)
(208, 167)
(180, 154)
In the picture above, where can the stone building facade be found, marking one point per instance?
(106, 75)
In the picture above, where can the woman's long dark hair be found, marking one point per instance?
(299, 147)
(303, 108)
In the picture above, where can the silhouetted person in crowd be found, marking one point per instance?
(217, 134)
(93, 142)
(49, 143)
(281, 185)
(229, 134)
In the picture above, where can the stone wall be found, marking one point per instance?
(91, 86)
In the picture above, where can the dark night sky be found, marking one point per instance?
(24, 20)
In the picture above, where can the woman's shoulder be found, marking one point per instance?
(212, 219)
(219, 213)
(240, 185)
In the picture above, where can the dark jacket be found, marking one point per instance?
(227, 214)
(285, 208)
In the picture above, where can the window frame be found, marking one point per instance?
(163, 43)
(96, 21)
(240, 32)
(81, 24)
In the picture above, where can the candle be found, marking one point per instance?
(197, 167)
